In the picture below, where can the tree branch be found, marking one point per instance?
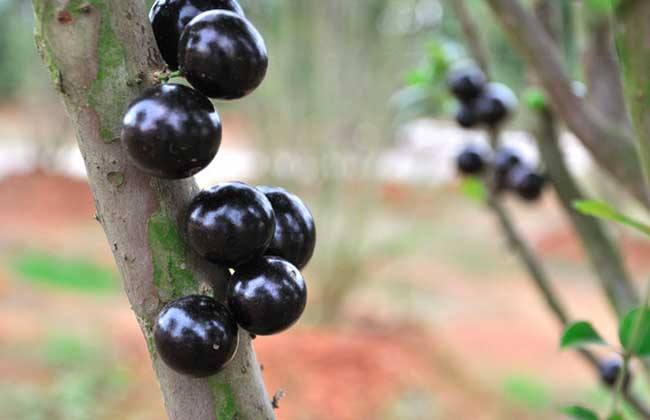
(610, 144)
(601, 249)
(471, 32)
(633, 44)
(100, 55)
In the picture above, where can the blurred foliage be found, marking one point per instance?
(19, 63)
(76, 274)
(527, 391)
(85, 383)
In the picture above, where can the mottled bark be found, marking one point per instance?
(100, 55)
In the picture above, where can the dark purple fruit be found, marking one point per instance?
(222, 55)
(230, 224)
(196, 336)
(505, 160)
(466, 116)
(495, 104)
(171, 131)
(471, 161)
(267, 295)
(169, 18)
(610, 371)
(526, 182)
(466, 83)
(295, 231)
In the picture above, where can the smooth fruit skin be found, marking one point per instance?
(267, 295)
(295, 230)
(505, 160)
(171, 132)
(196, 336)
(466, 83)
(610, 370)
(526, 182)
(466, 116)
(495, 104)
(230, 224)
(222, 55)
(470, 161)
(169, 18)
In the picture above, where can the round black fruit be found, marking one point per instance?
(471, 161)
(230, 224)
(466, 83)
(222, 55)
(295, 231)
(466, 116)
(505, 160)
(267, 295)
(171, 131)
(526, 182)
(610, 371)
(196, 336)
(169, 18)
(495, 104)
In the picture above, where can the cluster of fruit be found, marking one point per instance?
(263, 235)
(491, 104)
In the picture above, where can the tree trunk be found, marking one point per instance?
(101, 55)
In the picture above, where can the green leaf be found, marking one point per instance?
(616, 416)
(474, 189)
(580, 334)
(535, 99)
(604, 211)
(575, 412)
(599, 6)
(634, 332)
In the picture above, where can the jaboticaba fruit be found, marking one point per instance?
(171, 131)
(169, 18)
(505, 160)
(495, 104)
(267, 295)
(466, 83)
(230, 224)
(471, 161)
(610, 371)
(466, 116)
(295, 231)
(526, 182)
(196, 336)
(222, 55)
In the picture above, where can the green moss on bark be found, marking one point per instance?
(225, 404)
(171, 275)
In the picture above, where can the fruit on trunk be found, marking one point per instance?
(528, 184)
(222, 55)
(496, 104)
(466, 83)
(171, 131)
(471, 161)
(230, 224)
(295, 232)
(196, 336)
(267, 295)
(169, 18)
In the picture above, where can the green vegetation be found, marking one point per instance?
(68, 273)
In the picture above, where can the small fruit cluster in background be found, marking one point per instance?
(263, 235)
(490, 105)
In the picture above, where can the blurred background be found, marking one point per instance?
(417, 308)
